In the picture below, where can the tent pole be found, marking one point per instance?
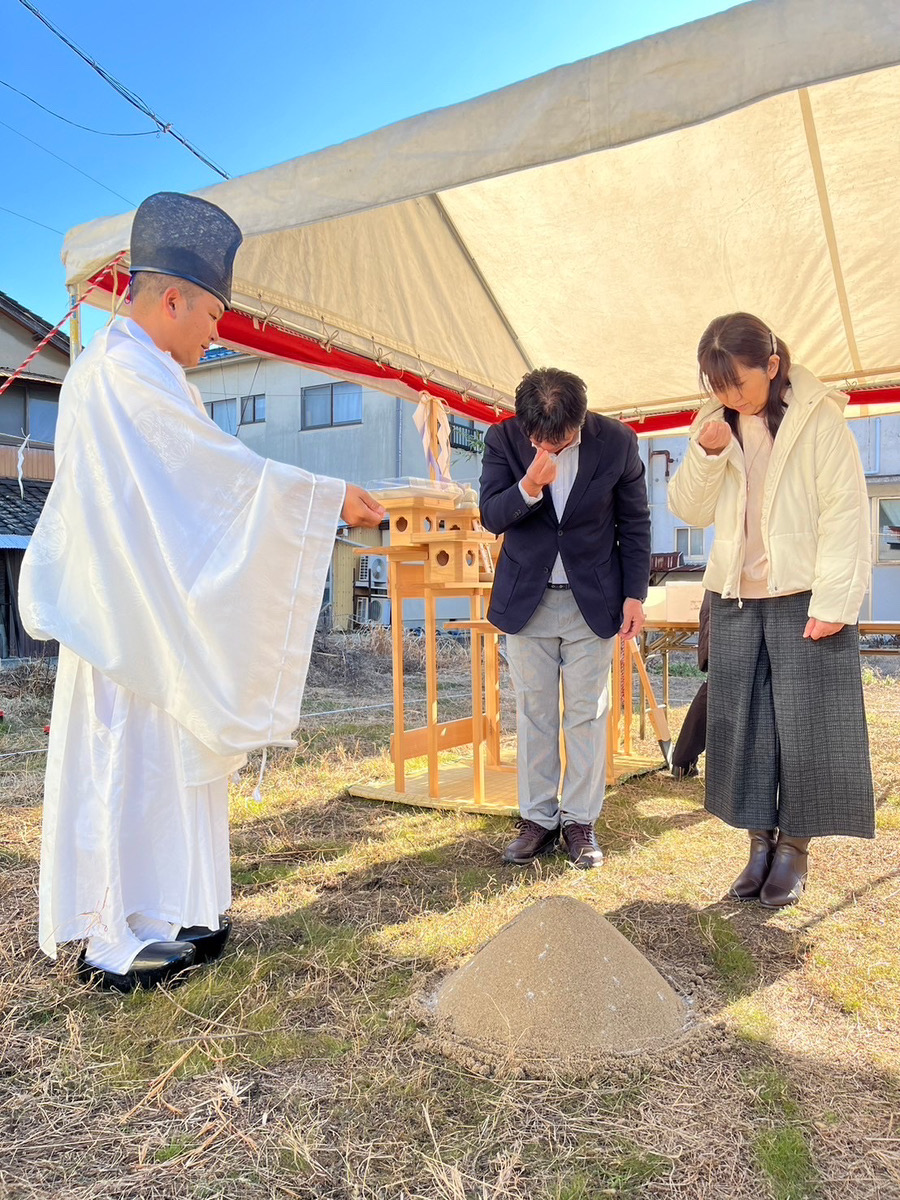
(74, 323)
(840, 286)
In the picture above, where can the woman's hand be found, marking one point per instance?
(715, 436)
(821, 629)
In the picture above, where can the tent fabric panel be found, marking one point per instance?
(647, 244)
(394, 280)
(670, 81)
(856, 123)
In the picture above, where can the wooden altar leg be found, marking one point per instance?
(492, 697)
(475, 646)
(431, 693)
(399, 698)
(658, 717)
(665, 680)
(627, 699)
(612, 724)
(615, 695)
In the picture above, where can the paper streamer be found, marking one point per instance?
(433, 425)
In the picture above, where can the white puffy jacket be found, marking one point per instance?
(815, 516)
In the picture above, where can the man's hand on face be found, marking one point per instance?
(541, 472)
(632, 619)
(360, 510)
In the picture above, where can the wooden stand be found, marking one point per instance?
(432, 563)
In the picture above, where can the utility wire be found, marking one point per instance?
(53, 154)
(86, 128)
(125, 92)
(22, 217)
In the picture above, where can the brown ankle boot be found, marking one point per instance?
(787, 875)
(748, 884)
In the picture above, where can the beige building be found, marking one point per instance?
(28, 407)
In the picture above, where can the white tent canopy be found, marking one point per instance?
(598, 216)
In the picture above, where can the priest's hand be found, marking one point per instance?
(715, 436)
(820, 629)
(541, 472)
(632, 619)
(360, 510)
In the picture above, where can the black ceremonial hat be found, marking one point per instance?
(187, 237)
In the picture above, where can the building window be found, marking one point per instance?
(30, 408)
(690, 543)
(330, 404)
(12, 411)
(42, 416)
(253, 409)
(224, 413)
(888, 527)
(464, 435)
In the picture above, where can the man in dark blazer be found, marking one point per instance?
(566, 489)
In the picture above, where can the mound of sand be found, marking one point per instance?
(559, 982)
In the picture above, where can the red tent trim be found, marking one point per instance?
(257, 337)
(248, 333)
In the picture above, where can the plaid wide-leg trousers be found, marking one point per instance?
(787, 745)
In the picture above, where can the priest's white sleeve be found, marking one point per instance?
(174, 559)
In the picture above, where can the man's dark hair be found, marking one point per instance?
(551, 404)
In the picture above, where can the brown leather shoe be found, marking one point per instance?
(748, 884)
(532, 841)
(787, 875)
(581, 843)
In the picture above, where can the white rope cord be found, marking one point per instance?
(412, 702)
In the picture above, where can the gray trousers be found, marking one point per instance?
(558, 645)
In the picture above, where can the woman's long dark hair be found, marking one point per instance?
(740, 339)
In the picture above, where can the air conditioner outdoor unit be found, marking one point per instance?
(373, 610)
(378, 571)
(379, 611)
(362, 573)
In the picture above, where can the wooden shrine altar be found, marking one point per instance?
(437, 551)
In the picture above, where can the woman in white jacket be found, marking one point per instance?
(773, 465)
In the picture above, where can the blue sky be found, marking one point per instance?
(249, 85)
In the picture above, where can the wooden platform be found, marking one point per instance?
(457, 786)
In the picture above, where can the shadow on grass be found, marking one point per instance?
(732, 947)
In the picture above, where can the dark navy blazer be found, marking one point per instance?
(603, 536)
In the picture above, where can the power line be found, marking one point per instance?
(86, 128)
(125, 92)
(53, 154)
(22, 217)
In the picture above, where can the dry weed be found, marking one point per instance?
(294, 1068)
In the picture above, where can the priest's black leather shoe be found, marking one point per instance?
(160, 962)
(208, 943)
(581, 843)
(532, 841)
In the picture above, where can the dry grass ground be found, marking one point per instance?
(296, 1068)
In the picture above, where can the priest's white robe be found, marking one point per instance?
(182, 575)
